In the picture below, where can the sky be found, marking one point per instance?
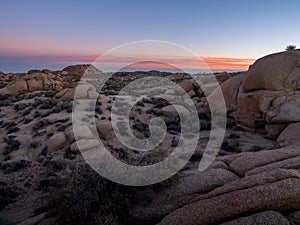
(227, 35)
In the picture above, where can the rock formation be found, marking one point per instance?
(81, 69)
(267, 96)
(33, 82)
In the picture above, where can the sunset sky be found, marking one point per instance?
(227, 35)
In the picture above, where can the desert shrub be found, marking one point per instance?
(52, 181)
(3, 97)
(36, 133)
(204, 120)
(33, 144)
(21, 106)
(11, 145)
(204, 115)
(65, 105)
(40, 124)
(98, 110)
(77, 204)
(56, 109)
(44, 151)
(68, 106)
(205, 124)
(8, 124)
(231, 146)
(27, 111)
(155, 112)
(255, 148)
(234, 136)
(6, 158)
(7, 195)
(4, 222)
(139, 111)
(37, 102)
(62, 120)
(87, 198)
(141, 127)
(27, 120)
(20, 97)
(63, 127)
(46, 105)
(12, 130)
(54, 166)
(15, 165)
(50, 94)
(174, 142)
(69, 109)
(290, 48)
(36, 114)
(159, 103)
(140, 103)
(173, 124)
(50, 134)
(6, 100)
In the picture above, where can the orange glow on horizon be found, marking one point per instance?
(223, 63)
(159, 63)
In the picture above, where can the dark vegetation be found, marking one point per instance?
(87, 198)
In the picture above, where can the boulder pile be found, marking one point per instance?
(267, 97)
(33, 82)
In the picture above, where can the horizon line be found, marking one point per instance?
(20, 63)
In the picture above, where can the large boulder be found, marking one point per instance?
(222, 77)
(266, 98)
(280, 71)
(56, 142)
(186, 86)
(104, 129)
(84, 145)
(260, 108)
(15, 88)
(230, 89)
(290, 135)
(262, 161)
(170, 111)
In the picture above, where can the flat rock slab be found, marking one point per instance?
(263, 218)
(278, 191)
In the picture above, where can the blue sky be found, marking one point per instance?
(232, 28)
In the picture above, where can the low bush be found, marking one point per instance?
(11, 145)
(12, 130)
(7, 195)
(21, 106)
(87, 198)
(14, 166)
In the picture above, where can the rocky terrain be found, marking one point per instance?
(255, 179)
